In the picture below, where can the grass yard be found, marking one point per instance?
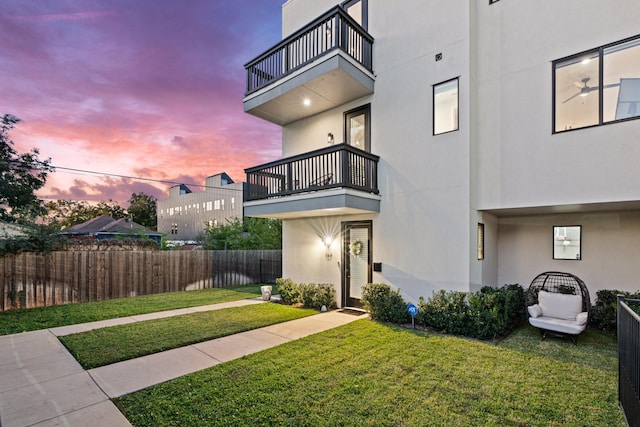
(372, 374)
(15, 321)
(104, 346)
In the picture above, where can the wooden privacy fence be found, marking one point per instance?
(36, 280)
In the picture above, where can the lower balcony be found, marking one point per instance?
(338, 180)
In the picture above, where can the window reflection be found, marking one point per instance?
(622, 75)
(445, 107)
(577, 92)
(567, 242)
(596, 87)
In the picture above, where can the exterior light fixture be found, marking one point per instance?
(328, 240)
(330, 139)
(306, 102)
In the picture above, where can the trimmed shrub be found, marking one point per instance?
(490, 313)
(445, 311)
(510, 301)
(306, 292)
(604, 314)
(384, 304)
(311, 295)
(325, 294)
(288, 290)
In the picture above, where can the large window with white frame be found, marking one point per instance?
(445, 106)
(597, 87)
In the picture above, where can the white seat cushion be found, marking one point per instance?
(560, 306)
(582, 318)
(534, 310)
(557, 325)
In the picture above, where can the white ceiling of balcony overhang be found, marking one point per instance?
(631, 205)
(326, 83)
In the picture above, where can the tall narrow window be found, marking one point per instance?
(357, 127)
(445, 107)
(357, 9)
(480, 241)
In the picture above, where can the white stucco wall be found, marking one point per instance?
(610, 251)
(311, 133)
(520, 161)
(421, 236)
(298, 13)
(304, 253)
(434, 189)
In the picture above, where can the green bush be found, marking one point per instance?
(288, 290)
(445, 311)
(311, 295)
(384, 304)
(604, 314)
(511, 303)
(325, 294)
(490, 313)
(307, 293)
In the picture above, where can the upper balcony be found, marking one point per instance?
(323, 65)
(337, 180)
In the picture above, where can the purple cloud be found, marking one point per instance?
(124, 85)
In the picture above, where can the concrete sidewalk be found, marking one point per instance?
(41, 384)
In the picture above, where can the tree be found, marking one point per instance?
(142, 209)
(223, 237)
(35, 238)
(263, 233)
(69, 213)
(110, 208)
(20, 176)
(253, 233)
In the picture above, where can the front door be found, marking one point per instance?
(356, 256)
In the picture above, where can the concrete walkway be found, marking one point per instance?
(41, 384)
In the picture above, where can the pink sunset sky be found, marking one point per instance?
(140, 88)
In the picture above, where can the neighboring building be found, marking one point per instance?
(185, 214)
(484, 142)
(104, 227)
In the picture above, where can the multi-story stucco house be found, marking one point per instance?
(184, 215)
(450, 144)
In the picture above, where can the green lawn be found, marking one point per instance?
(15, 321)
(104, 346)
(371, 374)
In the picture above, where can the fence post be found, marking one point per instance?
(619, 332)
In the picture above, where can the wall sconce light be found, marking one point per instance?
(328, 240)
(330, 139)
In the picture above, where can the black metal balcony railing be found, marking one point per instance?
(337, 166)
(333, 30)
